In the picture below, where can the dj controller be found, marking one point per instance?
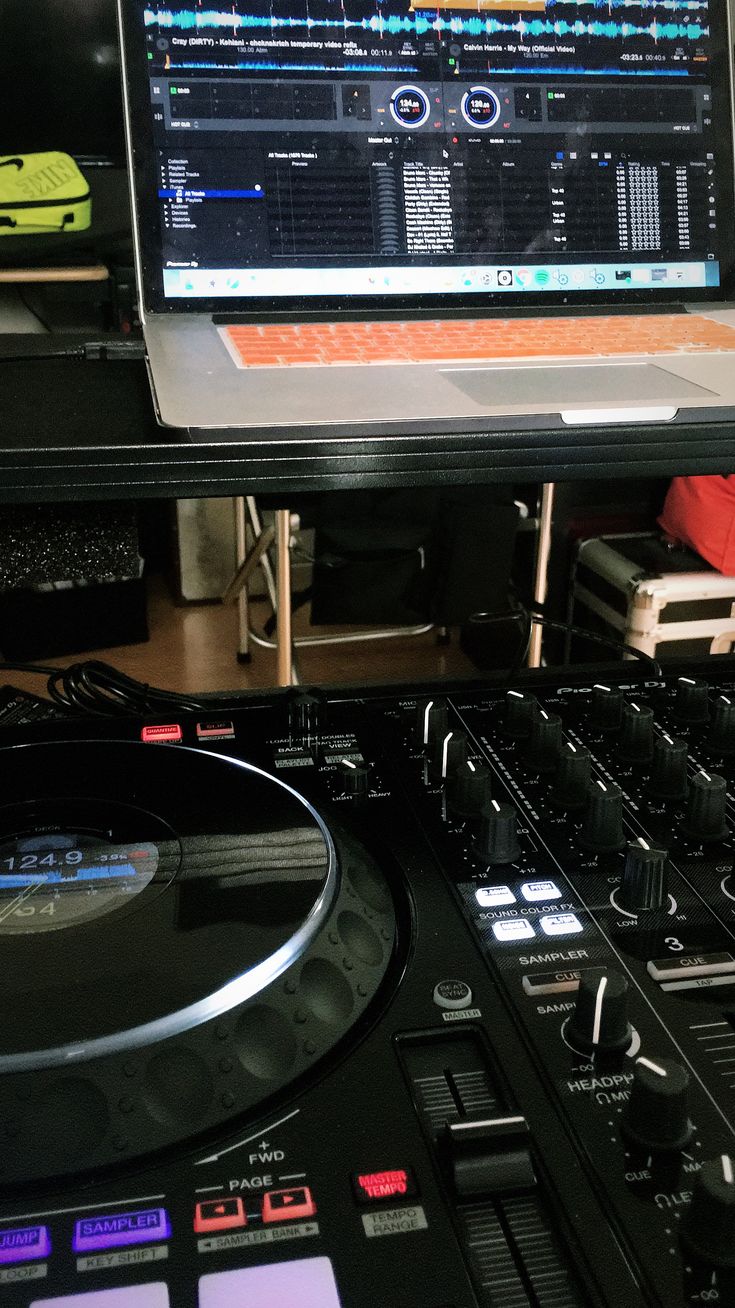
(393, 999)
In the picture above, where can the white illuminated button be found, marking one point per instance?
(533, 891)
(132, 1296)
(303, 1283)
(561, 924)
(494, 896)
(518, 928)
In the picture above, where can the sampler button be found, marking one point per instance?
(24, 1243)
(288, 1205)
(494, 896)
(219, 1215)
(519, 928)
(533, 891)
(113, 1230)
(561, 924)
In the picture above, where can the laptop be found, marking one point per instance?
(406, 215)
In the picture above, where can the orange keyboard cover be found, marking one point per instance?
(270, 345)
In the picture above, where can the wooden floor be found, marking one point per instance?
(193, 648)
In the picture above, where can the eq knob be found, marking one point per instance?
(470, 789)
(353, 778)
(545, 741)
(706, 808)
(708, 1229)
(607, 708)
(644, 887)
(599, 1022)
(721, 736)
(656, 1116)
(636, 734)
(497, 840)
(602, 827)
(572, 779)
(668, 779)
(432, 720)
(691, 706)
(450, 752)
(520, 710)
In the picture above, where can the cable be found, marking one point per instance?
(530, 613)
(98, 689)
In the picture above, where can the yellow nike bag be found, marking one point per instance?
(42, 193)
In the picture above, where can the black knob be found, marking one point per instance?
(470, 789)
(432, 720)
(600, 1019)
(304, 718)
(656, 1116)
(497, 839)
(644, 887)
(691, 706)
(354, 778)
(607, 708)
(636, 734)
(706, 809)
(602, 828)
(721, 735)
(520, 710)
(708, 1229)
(668, 779)
(450, 752)
(545, 741)
(572, 779)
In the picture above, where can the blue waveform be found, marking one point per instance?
(421, 24)
(251, 66)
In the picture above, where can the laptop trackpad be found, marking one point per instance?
(563, 384)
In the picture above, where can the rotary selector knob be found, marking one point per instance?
(691, 706)
(602, 828)
(497, 840)
(450, 752)
(636, 734)
(520, 710)
(706, 808)
(572, 780)
(470, 789)
(354, 778)
(607, 708)
(599, 1022)
(708, 1229)
(721, 735)
(432, 720)
(656, 1116)
(544, 742)
(644, 887)
(668, 779)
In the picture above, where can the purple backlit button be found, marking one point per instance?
(23, 1244)
(129, 1296)
(111, 1230)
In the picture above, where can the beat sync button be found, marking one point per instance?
(219, 1215)
(288, 1205)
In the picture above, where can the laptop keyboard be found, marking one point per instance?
(468, 339)
(270, 345)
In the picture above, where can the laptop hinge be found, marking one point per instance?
(237, 318)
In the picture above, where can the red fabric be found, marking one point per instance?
(700, 511)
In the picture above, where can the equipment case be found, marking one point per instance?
(663, 601)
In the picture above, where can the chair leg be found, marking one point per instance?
(283, 630)
(243, 602)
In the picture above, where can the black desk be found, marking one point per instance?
(79, 429)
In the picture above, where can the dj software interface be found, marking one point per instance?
(383, 147)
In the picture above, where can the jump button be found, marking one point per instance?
(288, 1205)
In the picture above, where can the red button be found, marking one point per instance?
(374, 1187)
(219, 1215)
(288, 1205)
(168, 733)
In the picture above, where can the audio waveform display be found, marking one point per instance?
(458, 26)
(252, 66)
(528, 70)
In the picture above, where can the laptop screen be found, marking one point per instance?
(415, 152)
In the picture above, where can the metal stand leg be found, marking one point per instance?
(541, 578)
(243, 599)
(283, 555)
